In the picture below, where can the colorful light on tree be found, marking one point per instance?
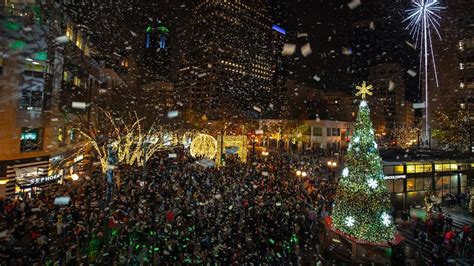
(362, 203)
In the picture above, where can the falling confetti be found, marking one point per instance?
(79, 105)
(306, 50)
(411, 73)
(289, 49)
(172, 114)
(354, 4)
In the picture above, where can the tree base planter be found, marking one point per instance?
(343, 247)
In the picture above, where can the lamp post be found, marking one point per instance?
(111, 160)
(145, 170)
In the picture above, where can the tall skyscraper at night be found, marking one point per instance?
(228, 68)
(157, 56)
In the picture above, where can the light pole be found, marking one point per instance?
(145, 170)
(110, 187)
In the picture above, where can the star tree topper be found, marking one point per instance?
(364, 90)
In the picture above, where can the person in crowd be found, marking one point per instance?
(180, 213)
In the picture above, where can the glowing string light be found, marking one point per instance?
(350, 221)
(386, 219)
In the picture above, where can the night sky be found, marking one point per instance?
(329, 25)
(330, 28)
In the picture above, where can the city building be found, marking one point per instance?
(27, 128)
(279, 107)
(50, 74)
(328, 134)
(228, 66)
(389, 96)
(454, 63)
(306, 102)
(156, 58)
(408, 181)
(340, 106)
(306, 134)
(162, 95)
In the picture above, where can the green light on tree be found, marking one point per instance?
(362, 205)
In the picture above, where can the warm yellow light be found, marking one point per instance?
(304, 174)
(329, 163)
(334, 164)
(3, 182)
(74, 177)
(298, 173)
(204, 146)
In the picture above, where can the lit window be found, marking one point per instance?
(77, 81)
(31, 139)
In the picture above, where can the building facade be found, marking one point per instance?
(27, 128)
(409, 181)
(228, 69)
(389, 96)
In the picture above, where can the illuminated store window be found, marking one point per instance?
(31, 139)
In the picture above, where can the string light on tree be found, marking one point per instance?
(345, 172)
(386, 219)
(372, 183)
(350, 221)
(360, 199)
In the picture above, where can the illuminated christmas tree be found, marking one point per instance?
(362, 205)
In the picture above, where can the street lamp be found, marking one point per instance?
(298, 173)
(304, 174)
(334, 164)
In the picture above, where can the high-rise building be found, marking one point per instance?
(227, 69)
(462, 19)
(156, 61)
(454, 55)
(340, 106)
(389, 94)
(27, 134)
(279, 101)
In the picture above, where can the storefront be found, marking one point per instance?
(408, 182)
(38, 182)
(11, 172)
(68, 164)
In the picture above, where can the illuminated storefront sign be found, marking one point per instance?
(45, 179)
(390, 177)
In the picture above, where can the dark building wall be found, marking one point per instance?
(229, 63)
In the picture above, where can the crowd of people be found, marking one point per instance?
(179, 213)
(438, 233)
